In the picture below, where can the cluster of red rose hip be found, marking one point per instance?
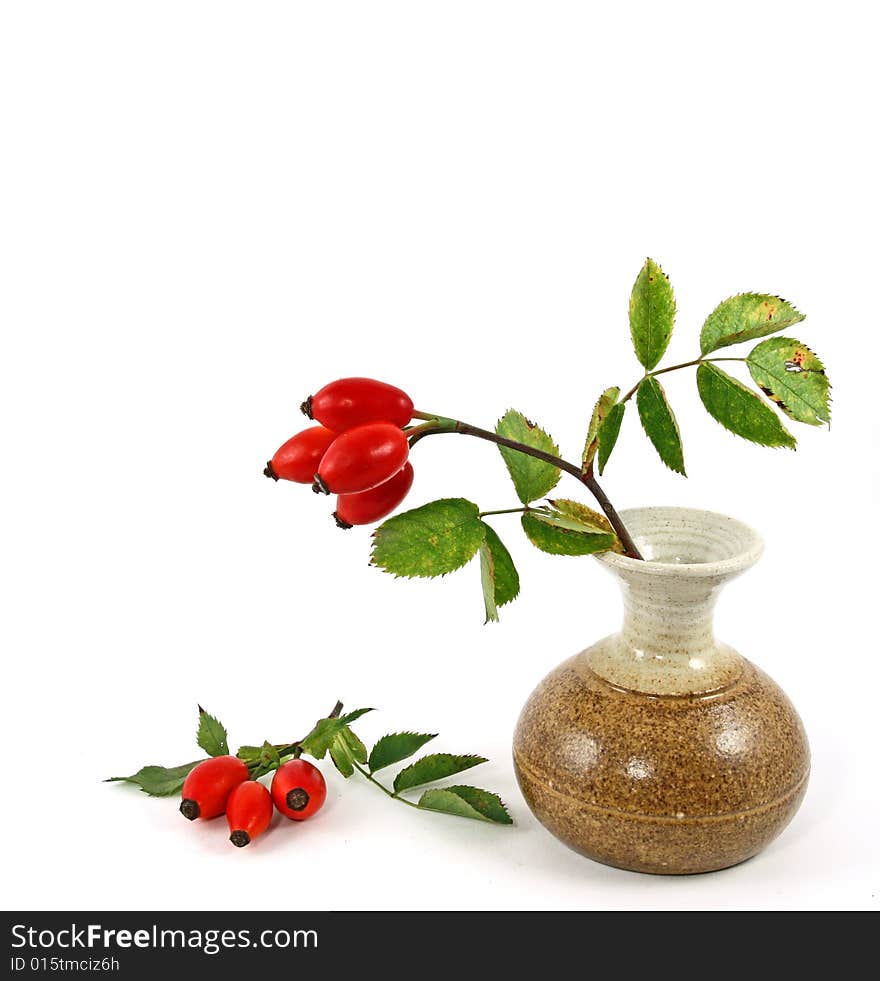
(358, 452)
(222, 784)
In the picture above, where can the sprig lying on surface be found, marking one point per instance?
(334, 736)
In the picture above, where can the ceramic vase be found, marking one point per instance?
(661, 749)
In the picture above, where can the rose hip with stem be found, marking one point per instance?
(208, 786)
(299, 457)
(362, 458)
(349, 402)
(371, 505)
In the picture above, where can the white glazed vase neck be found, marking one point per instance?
(667, 645)
(668, 623)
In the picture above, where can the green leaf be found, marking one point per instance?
(659, 423)
(609, 433)
(487, 580)
(351, 716)
(651, 314)
(738, 409)
(267, 760)
(341, 758)
(603, 406)
(746, 317)
(469, 802)
(355, 747)
(250, 754)
(432, 540)
(434, 767)
(397, 746)
(211, 735)
(532, 478)
(791, 375)
(345, 749)
(159, 781)
(335, 736)
(558, 535)
(318, 741)
(498, 574)
(586, 519)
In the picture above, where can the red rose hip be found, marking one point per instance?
(208, 786)
(298, 458)
(371, 505)
(248, 811)
(350, 402)
(361, 458)
(298, 789)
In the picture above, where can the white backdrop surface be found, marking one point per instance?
(211, 209)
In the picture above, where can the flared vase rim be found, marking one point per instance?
(737, 544)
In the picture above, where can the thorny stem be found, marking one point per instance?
(674, 367)
(443, 425)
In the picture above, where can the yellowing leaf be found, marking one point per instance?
(560, 535)
(651, 314)
(603, 406)
(791, 375)
(746, 317)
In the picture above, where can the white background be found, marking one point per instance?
(210, 210)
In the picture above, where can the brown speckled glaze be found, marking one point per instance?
(659, 749)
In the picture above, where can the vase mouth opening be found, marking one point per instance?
(686, 542)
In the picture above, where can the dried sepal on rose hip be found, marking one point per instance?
(374, 504)
(300, 456)
(349, 402)
(362, 458)
(298, 789)
(248, 812)
(208, 785)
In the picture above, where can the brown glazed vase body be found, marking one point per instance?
(660, 749)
